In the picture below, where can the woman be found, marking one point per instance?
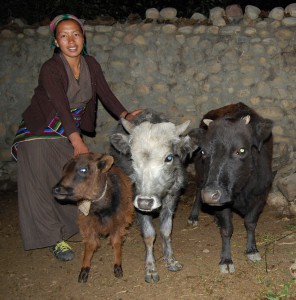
(63, 103)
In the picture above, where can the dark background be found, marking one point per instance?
(34, 11)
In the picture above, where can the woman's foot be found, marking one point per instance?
(62, 251)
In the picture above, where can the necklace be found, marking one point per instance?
(76, 75)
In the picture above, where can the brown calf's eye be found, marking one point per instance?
(83, 171)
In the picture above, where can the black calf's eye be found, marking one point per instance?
(169, 158)
(241, 151)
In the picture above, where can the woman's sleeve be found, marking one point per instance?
(107, 98)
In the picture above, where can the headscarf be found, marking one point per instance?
(58, 19)
(54, 23)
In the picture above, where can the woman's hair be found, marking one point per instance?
(53, 25)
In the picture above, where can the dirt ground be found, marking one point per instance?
(38, 275)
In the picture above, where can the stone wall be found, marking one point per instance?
(179, 68)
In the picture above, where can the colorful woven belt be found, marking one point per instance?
(54, 130)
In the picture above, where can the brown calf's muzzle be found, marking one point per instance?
(61, 193)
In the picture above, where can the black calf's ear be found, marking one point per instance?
(263, 130)
(105, 163)
(197, 135)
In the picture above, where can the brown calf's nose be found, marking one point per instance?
(56, 190)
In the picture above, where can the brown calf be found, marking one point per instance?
(104, 197)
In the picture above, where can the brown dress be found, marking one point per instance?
(43, 220)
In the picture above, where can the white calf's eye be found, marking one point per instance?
(169, 158)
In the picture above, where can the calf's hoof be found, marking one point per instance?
(227, 268)
(151, 275)
(173, 265)
(83, 276)
(192, 221)
(254, 256)
(293, 269)
(118, 271)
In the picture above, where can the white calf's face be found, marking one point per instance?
(153, 157)
(155, 151)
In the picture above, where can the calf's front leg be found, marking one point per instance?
(250, 221)
(224, 218)
(116, 242)
(89, 249)
(148, 234)
(194, 214)
(199, 178)
(166, 223)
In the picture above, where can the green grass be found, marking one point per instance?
(282, 294)
(290, 227)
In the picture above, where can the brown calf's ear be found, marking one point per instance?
(105, 163)
(69, 163)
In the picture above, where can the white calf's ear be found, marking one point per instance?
(182, 127)
(120, 142)
(128, 126)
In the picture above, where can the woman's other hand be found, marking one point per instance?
(130, 116)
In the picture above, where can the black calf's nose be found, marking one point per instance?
(211, 196)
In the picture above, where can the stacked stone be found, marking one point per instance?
(178, 69)
(283, 195)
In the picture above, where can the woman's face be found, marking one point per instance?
(69, 38)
